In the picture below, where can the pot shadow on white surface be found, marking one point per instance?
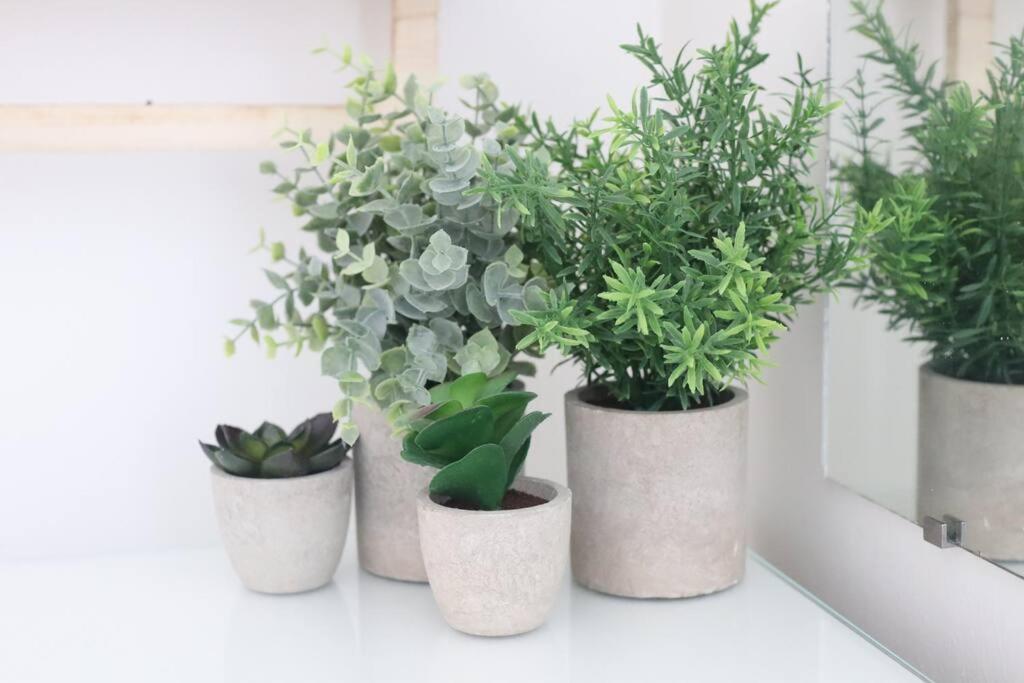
(399, 626)
(402, 637)
(306, 637)
(542, 653)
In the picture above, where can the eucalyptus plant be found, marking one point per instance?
(949, 265)
(269, 453)
(477, 435)
(416, 276)
(684, 228)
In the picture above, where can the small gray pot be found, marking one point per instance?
(497, 573)
(971, 460)
(386, 488)
(658, 497)
(284, 535)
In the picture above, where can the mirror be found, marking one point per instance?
(925, 349)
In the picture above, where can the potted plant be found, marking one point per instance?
(495, 544)
(949, 269)
(283, 502)
(685, 231)
(413, 283)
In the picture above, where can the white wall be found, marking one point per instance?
(195, 51)
(1008, 20)
(121, 270)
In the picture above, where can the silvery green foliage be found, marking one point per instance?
(418, 273)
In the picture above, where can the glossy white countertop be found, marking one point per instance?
(183, 616)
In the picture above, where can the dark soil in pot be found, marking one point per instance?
(513, 500)
(599, 396)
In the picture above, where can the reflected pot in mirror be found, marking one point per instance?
(497, 573)
(284, 535)
(658, 497)
(971, 460)
(386, 488)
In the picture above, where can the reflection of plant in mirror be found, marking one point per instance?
(477, 435)
(268, 453)
(418, 275)
(950, 263)
(685, 228)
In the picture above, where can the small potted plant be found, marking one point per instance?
(283, 502)
(685, 232)
(495, 544)
(949, 269)
(413, 282)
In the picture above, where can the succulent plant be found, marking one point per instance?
(268, 453)
(418, 271)
(476, 434)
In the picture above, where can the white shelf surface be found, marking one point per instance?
(183, 616)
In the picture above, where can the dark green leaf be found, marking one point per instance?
(233, 464)
(453, 436)
(270, 433)
(520, 433)
(508, 407)
(285, 464)
(478, 479)
(329, 457)
(415, 454)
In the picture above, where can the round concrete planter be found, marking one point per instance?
(386, 488)
(971, 460)
(658, 497)
(497, 573)
(284, 535)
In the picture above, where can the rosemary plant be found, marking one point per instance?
(949, 265)
(684, 228)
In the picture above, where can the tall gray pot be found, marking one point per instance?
(386, 489)
(658, 497)
(971, 460)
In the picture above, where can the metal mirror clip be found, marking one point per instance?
(944, 533)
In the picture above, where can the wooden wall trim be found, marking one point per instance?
(89, 127)
(128, 127)
(969, 33)
(414, 47)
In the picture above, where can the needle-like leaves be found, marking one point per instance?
(947, 233)
(682, 227)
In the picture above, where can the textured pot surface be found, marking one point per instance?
(284, 535)
(658, 497)
(971, 460)
(386, 488)
(497, 573)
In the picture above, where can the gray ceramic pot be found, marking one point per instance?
(497, 573)
(971, 460)
(658, 497)
(386, 488)
(284, 535)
